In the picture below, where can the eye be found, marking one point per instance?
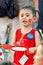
(22, 15)
(27, 15)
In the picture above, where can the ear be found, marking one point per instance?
(34, 19)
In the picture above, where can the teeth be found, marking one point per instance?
(24, 21)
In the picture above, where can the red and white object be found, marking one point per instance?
(1, 54)
(19, 49)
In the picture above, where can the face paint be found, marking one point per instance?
(29, 20)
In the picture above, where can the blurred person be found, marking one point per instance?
(40, 22)
(8, 10)
(38, 58)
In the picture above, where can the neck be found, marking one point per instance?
(25, 30)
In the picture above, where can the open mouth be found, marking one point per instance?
(25, 21)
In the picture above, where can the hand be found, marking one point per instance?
(18, 42)
(32, 49)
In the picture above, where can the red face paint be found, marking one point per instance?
(29, 20)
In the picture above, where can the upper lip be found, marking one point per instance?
(24, 21)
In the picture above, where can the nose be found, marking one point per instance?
(24, 17)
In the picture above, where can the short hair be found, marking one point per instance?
(30, 8)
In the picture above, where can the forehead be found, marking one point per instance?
(25, 11)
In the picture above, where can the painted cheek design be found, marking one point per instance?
(29, 20)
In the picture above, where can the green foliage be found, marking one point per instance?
(31, 3)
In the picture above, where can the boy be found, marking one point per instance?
(25, 37)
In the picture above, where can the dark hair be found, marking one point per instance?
(7, 63)
(30, 8)
(9, 8)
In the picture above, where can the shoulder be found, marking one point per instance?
(36, 32)
(18, 30)
(33, 30)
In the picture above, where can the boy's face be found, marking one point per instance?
(26, 17)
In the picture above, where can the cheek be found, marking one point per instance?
(29, 20)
